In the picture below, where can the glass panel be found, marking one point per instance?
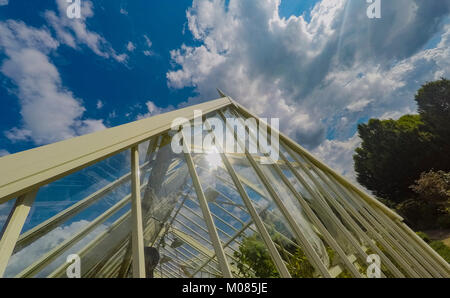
(245, 250)
(311, 232)
(5, 210)
(236, 124)
(277, 226)
(328, 256)
(44, 253)
(280, 231)
(340, 197)
(173, 220)
(63, 193)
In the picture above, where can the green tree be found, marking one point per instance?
(433, 101)
(299, 266)
(254, 259)
(430, 207)
(437, 245)
(419, 214)
(434, 187)
(392, 155)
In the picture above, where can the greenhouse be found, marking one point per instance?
(241, 203)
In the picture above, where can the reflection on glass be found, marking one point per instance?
(48, 233)
(5, 210)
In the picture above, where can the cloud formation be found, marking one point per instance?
(3, 152)
(131, 47)
(148, 45)
(319, 77)
(25, 257)
(49, 111)
(153, 110)
(74, 32)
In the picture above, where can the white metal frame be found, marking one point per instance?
(22, 174)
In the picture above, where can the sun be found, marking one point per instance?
(213, 158)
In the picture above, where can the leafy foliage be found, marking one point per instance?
(438, 246)
(254, 259)
(433, 187)
(433, 100)
(429, 208)
(299, 266)
(441, 249)
(392, 156)
(419, 214)
(396, 153)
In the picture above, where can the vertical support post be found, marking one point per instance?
(137, 234)
(151, 149)
(207, 214)
(13, 226)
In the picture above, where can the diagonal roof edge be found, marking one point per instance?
(322, 166)
(23, 171)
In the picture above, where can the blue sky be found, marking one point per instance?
(122, 88)
(322, 67)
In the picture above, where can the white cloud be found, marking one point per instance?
(15, 134)
(359, 105)
(3, 152)
(4, 2)
(336, 154)
(89, 126)
(147, 53)
(28, 255)
(148, 44)
(153, 110)
(130, 46)
(319, 76)
(37, 249)
(99, 104)
(112, 115)
(3, 219)
(74, 32)
(16, 35)
(49, 111)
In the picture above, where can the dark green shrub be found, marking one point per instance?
(441, 249)
(419, 214)
(423, 236)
